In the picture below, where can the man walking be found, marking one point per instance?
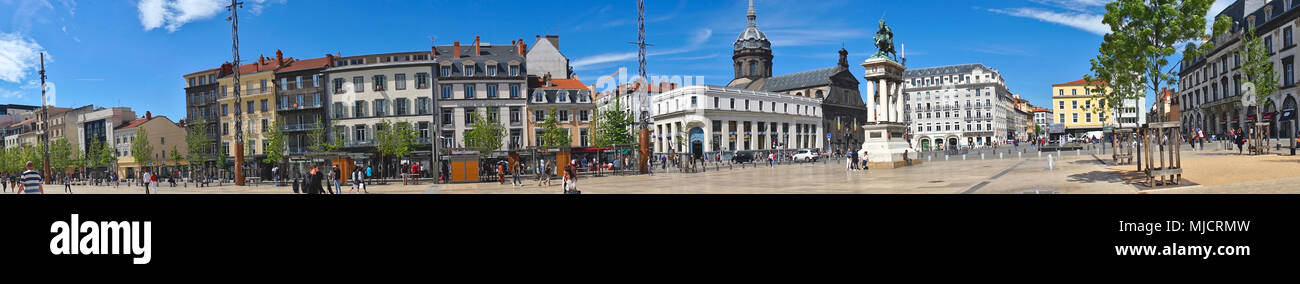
(275, 175)
(67, 184)
(145, 179)
(334, 177)
(31, 181)
(314, 180)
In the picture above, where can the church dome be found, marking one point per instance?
(752, 37)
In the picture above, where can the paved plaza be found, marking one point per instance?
(1072, 172)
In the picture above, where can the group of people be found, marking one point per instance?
(852, 162)
(331, 182)
(27, 182)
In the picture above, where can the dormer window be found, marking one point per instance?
(492, 71)
(562, 96)
(446, 71)
(514, 70)
(584, 97)
(469, 70)
(539, 97)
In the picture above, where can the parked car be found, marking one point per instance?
(805, 155)
(740, 158)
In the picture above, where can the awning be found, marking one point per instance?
(1288, 114)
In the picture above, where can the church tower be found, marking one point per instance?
(753, 52)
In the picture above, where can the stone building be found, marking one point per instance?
(958, 106)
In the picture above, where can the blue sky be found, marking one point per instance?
(134, 52)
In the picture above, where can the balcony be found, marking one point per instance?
(301, 127)
(354, 143)
(289, 107)
(424, 140)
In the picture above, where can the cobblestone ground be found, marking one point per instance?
(1071, 172)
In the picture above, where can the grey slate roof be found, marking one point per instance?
(946, 70)
(806, 79)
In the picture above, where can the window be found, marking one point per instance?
(564, 115)
(315, 81)
(264, 104)
(491, 70)
(250, 107)
(265, 125)
(421, 80)
(715, 102)
(359, 109)
(694, 102)
(421, 106)
(733, 103)
(469, 116)
(539, 97)
(1268, 44)
(514, 114)
(284, 102)
(359, 132)
(338, 110)
(1076, 117)
(494, 114)
(381, 108)
(446, 71)
(539, 115)
(399, 81)
(492, 91)
(357, 84)
(380, 81)
(399, 106)
(263, 89)
(1060, 93)
(1062, 118)
(224, 109)
(584, 115)
(562, 97)
(583, 137)
(315, 99)
(446, 91)
(225, 128)
(1288, 71)
(469, 91)
(338, 86)
(514, 70)
(469, 70)
(298, 83)
(284, 84)
(514, 91)
(448, 117)
(1074, 104)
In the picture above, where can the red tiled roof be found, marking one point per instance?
(299, 65)
(1039, 109)
(138, 122)
(1079, 82)
(562, 84)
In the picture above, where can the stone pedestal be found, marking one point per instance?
(885, 146)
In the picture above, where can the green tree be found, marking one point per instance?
(1260, 75)
(394, 139)
(220, 159)
(60, 155)
(176, 156)
(614, 127)
(275, 143)
(1133, 57)
(105, 156)
(319, 139)
(486, 134)
(197, 143)
(552, 134)
(141, 149)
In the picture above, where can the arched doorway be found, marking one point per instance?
(952, 142)
(697, 142)
(1287, 117)
(925, 144)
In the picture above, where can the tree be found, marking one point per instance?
(197, 143)
(176, 156)
(221, 156)
(1260, 76)
(105, 156)
(319, 139)
(60, 155)
(552, 134)
(1133, 56)
(394, 139)
(486, 134)
(275, 144)
(614, 127)
(141, 149)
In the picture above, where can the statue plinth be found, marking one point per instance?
(883, 68)
(885, 147)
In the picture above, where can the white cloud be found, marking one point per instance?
(172, 14)
(27, 13)
(694, 42)
(18, 56)
(1075, 5)
(1087, 22)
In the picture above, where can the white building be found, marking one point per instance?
(369, 89)
(705, 119)
(486, 80)
(545, 58)
(958, 105)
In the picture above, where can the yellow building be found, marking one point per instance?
(1079, 108)
(256, 106)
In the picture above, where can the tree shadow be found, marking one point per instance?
(1094, 177)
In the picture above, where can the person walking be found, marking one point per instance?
(145, 179)
(31, 181)
(67, 184)
(335, 178)
(514, 174)
(771, 159)
(1240, 139)
(275, 175)
(314, 180)
(501, 172)
(4, 181)
(571, 180)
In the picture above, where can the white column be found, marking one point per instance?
(708, 136)
(726, 127)
(898, 95)
(753, 135)
(871, 101)
(884, 99)
(820, 138)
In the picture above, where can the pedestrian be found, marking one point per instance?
(145, 179)
(361, 181)
(514, 173)
(905, 158)
(275, 177)
(771, 159)
(4, 182)
(571, 180)
(153, 180)
(67, 184)
(848, 161)
(864, 160)
(501, 172)
(31, 181)
(335, 178)
(354, 180)
(314, 180)
(294, 184)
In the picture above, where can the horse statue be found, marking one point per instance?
(885, 42)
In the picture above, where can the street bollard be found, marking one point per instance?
(1049, 162)
(945, 157)
(1077, 152)
(1020, 155)
(999, 156)
(1040, 154)
(981, 156)
(963, 157)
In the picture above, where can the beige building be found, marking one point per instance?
(256, 106)
(163, 134)
(570, 100)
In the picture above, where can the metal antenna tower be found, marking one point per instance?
(234, 7)
(45, 125)
(644, 100)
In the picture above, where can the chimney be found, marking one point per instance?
(523, 48)
(546, 80)
(455, 50)
(477, 50)
(331, 59)
(279, 57)
(844, 58)
(148, 115)
(555, 40)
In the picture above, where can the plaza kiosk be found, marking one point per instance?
(463, 165)
(1122, 146)
(558, 157)
(1160, 157)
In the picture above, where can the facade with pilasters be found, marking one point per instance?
(710, 119)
